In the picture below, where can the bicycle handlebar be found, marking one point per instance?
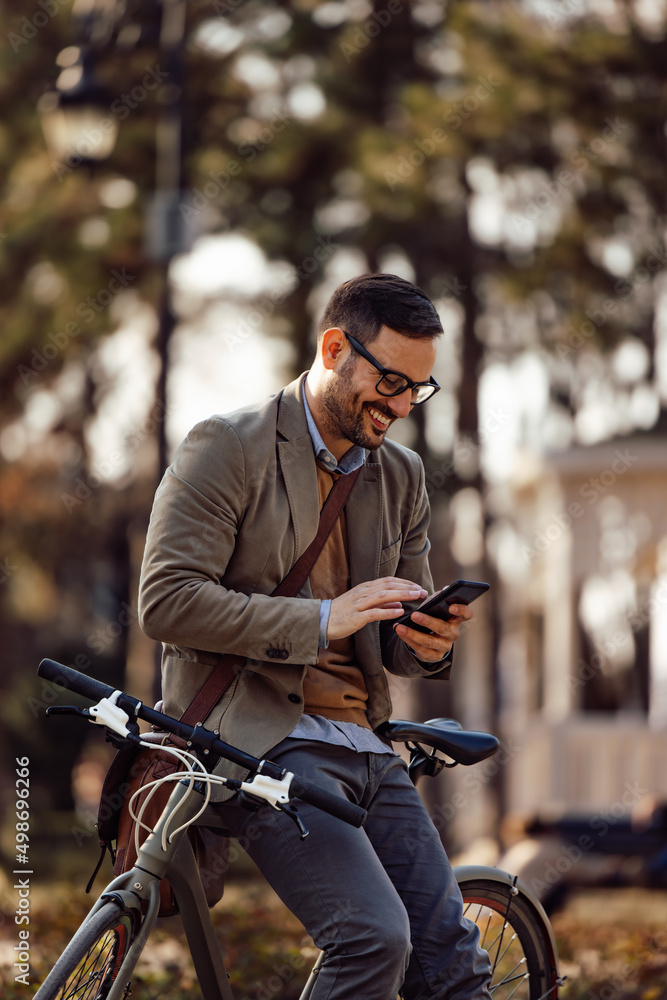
(95, 690)
(328, 802)
(73, 680)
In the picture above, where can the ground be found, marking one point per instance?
(612, 943)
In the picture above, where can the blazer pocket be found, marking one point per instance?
(208, 659)
(390, 554)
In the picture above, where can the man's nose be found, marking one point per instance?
(401, 405)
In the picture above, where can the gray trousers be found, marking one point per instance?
(380, 901)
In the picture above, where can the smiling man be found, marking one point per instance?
(237, 508)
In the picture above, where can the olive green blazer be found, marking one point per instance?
(233, 513)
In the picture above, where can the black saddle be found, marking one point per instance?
(445, 735)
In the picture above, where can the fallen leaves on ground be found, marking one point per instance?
(609, 951)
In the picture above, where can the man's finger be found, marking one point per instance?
(439, 625)
(462, 611)
(397, 583)
(386, 597)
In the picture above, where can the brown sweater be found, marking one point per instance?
(334, 687)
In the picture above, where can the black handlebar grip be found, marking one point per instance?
(328, 802)
(73, 680)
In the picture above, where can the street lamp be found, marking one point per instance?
(77, 124)
(74, 116)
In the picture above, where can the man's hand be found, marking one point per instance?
(432, 648)
(373, 601)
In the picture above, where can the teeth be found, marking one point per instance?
(379, 416)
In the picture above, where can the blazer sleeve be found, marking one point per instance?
(183, 601)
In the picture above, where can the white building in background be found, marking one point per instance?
(581, 548)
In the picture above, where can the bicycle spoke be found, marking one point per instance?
(499, 958)
(89, 975)
(476, 920)
(511, 978)
(521, 979)
(487, 946)
(497, 941)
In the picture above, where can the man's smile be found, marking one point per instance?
(379, 419)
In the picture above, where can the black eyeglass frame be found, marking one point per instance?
(409, 384)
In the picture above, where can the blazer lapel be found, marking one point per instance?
(297, 463)
(364, 508)
(364, 517)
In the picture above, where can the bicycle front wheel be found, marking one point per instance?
(513, 932)
(90, 964)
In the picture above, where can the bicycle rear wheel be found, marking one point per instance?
(90, 964)
(513, 932)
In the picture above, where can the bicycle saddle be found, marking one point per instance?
(463, 746)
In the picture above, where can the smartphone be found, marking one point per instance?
(459, 592)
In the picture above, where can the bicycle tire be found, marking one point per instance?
(520, 946)
(90, 963)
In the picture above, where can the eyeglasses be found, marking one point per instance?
(393, 383)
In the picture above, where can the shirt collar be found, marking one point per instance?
(351, 460)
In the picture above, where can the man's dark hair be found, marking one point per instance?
(363, 305)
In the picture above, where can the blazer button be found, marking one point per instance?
(277, 654)
(294, 698)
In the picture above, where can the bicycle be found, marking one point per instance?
(98, 962)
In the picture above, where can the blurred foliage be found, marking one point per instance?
(393, 130)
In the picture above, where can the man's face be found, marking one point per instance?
(352, 407)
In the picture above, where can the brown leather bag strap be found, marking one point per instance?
(213, 688)
(228, 666)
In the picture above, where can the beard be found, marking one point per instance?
(345, 416)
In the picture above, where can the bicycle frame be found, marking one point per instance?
(137, 892)
(141, 885)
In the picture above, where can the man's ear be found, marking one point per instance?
(333, 343)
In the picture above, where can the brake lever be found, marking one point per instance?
(121, 742)
(293, 813)
(69, 710)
